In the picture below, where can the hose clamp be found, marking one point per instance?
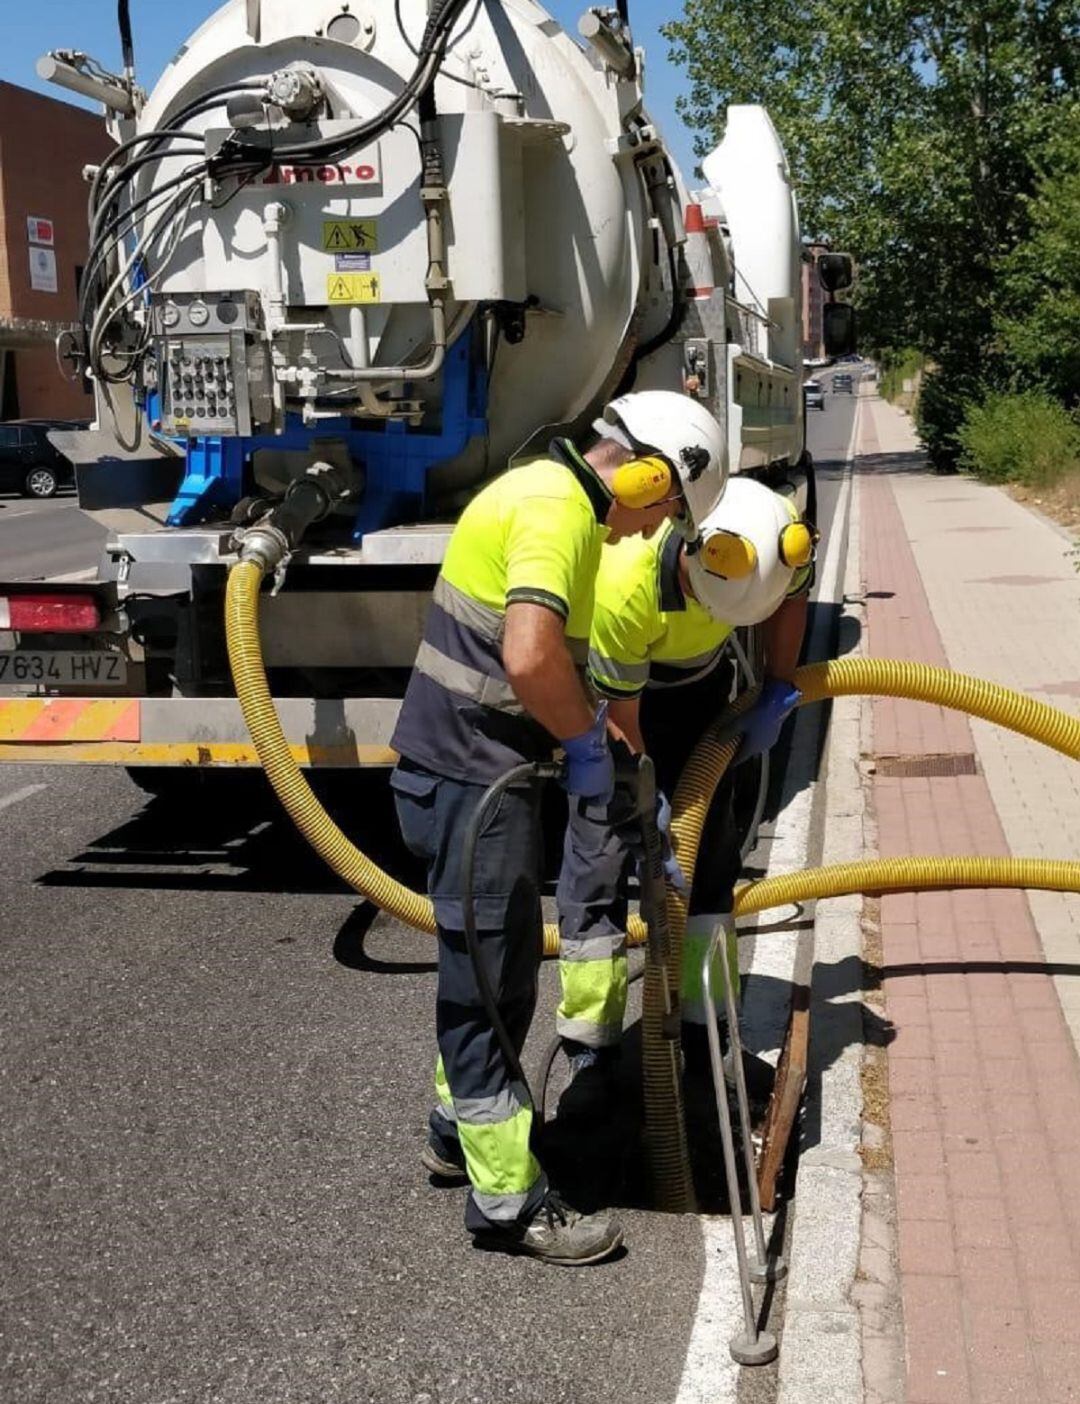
(265, 545)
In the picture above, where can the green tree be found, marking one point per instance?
(1040, 278)
(913, 131)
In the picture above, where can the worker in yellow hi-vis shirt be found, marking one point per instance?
(664, 610)
(496, 683)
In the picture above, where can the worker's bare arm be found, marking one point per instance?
(541, 671)
(624, 719)
(783, 636)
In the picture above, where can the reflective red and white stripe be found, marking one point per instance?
(699, 260)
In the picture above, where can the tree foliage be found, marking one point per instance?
(914, 132)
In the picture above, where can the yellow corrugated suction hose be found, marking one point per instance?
(666, 1135)
(290, 786)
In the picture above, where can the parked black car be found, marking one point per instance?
(28, 462)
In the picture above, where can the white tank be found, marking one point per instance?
(548, 253)
(542, 205)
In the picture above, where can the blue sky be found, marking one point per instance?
(32, 27)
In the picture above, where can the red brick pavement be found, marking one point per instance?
(984, 1076)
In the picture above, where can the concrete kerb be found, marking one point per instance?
(821, 1350)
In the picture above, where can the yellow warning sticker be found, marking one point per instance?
(350, 235)
(353, 287)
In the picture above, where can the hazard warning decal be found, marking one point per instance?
(353, 287)
(341, 236)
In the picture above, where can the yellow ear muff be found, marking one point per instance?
(643, 482)
(797, 545)
(729, 555)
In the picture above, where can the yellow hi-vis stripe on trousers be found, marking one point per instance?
(593, 1004)
(699, 933)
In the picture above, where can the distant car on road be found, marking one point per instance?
(28, 462)
(842, 383)
(813, 394)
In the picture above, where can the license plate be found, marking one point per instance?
(63, 669)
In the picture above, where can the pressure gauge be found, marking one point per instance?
(198, 314)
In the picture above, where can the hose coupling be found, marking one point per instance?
(264, 544)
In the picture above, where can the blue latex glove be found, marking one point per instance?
(590, 768)
(766, 718)
(673, 873)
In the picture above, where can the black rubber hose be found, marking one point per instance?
(529, 770)
(127, 43)
(436, 34)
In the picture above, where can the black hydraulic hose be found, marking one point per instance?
(678, 306)
(127, 43)
(528, 770)
(432, 45)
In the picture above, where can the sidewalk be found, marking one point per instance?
(982, 988)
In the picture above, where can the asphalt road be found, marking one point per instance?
(218, 1068)
(41, 540)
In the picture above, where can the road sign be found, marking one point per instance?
(353, 288)
(350, 235)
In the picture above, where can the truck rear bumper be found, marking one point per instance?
(331, 733)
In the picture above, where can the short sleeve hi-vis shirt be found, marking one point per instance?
(645, 631)
(532, 535)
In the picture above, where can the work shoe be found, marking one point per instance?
(583, 1059)
(442, 1156)
(592, 1070)
(556, 1234)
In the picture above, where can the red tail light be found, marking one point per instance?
(49, 614)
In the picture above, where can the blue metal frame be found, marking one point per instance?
(396, 459)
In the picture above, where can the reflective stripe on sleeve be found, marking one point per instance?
(629, 677)
(522, 595)
(680, 672)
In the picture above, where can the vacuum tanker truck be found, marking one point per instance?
(379, 249)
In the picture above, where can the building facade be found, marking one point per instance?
(44, 146)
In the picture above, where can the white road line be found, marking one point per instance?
(6, 801)
(710, 1376)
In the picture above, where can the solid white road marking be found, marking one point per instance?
(6, 801)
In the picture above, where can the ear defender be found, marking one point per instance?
(797, 543)
(643, 482)
(728, 555)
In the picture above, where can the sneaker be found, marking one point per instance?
(556, 1234)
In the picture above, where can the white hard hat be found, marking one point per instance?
(749, 548)
(685, 434)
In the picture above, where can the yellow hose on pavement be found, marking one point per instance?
(666, 1132)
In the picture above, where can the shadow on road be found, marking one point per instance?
(227, 833)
